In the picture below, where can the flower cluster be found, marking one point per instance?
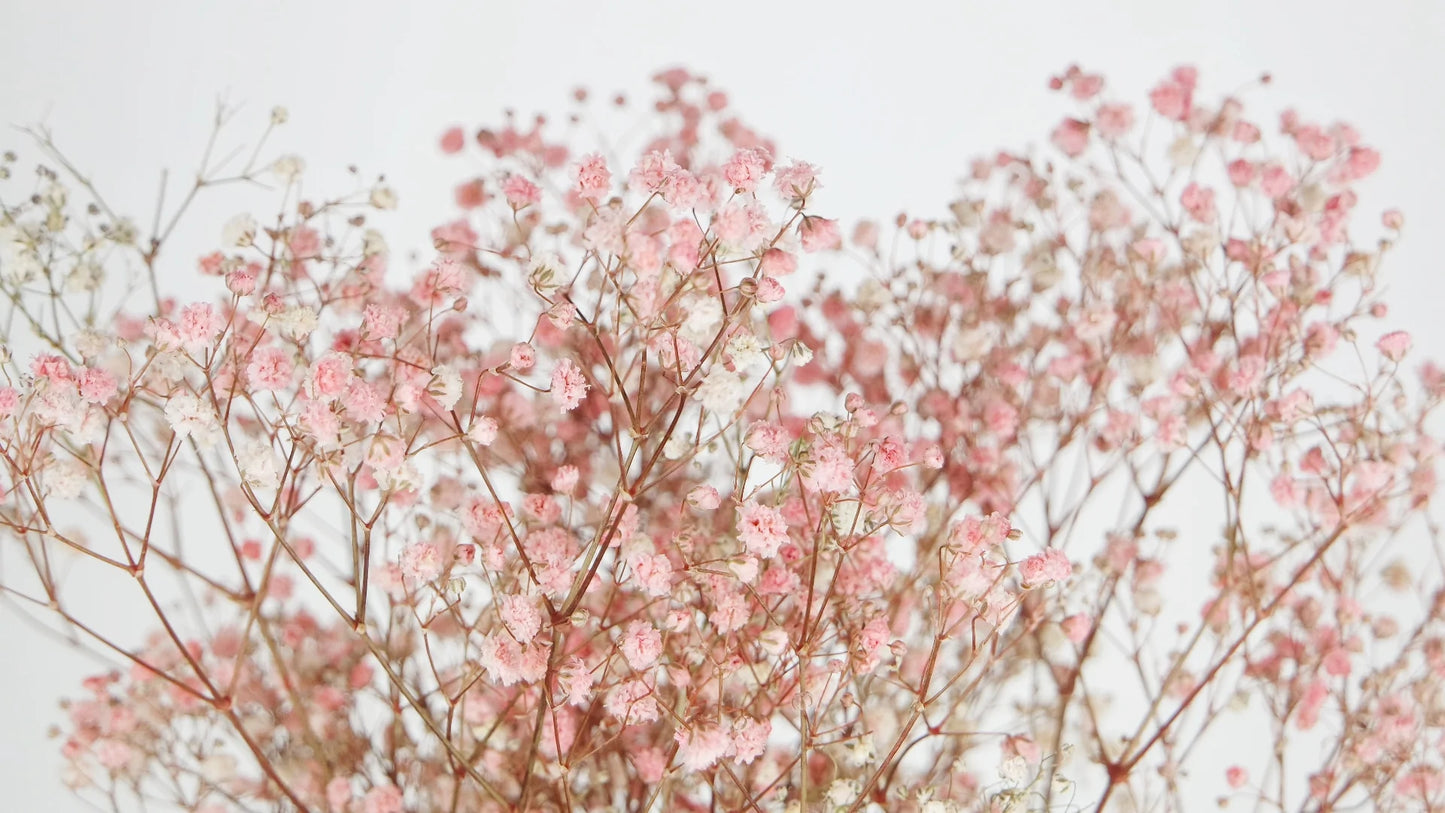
(611, 507)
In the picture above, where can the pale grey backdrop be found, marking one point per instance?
(891, 99)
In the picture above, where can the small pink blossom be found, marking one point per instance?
(700, 748)
(381, 322)
(520, 192)
(745, 169)
(453, 140)
(819, 234)
(1395, 345)
(270, 369)
(704, 497)
(96, 386)
(796, 181)
(1071, 137)
(569, 386)
(422, 562)
(1077, 627)
(1043, 568)
(641, 645)
(1115, 121)
(523, 356)
(383, 799)
(329, 375)
(593, 178)
(761, 529)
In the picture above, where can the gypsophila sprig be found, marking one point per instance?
(632, 498)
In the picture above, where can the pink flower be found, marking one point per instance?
(1199, 202)
(651, 764)
(270, 369)
(242, 281)
(199, 325)
(641, 645)
(1042, 568)
(1395, 345)
(796, 181)
(874, 636)
(521, 617)
(1172, 100)
(96, 386)
(652, 173)
(831, 469)
(593, 179)
(564, 479)
(338, 794)
(653, 574)
(819, 234)
(750, 739)
(523, 356)
(1077, 627)
(705, 497)
(1115, 121)
(569, 386)
(330, 375)
(1071, 137)
(453, 140)
(383, 799)
(520, 192)
(699, 748)
(778, 263)
(422, 562)
(1241, 172)
(438, 284)
(9, 401)
(761, 529)
(381, 322)
(633, 703)
(745, 169)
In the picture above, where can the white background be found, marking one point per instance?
(891, 99)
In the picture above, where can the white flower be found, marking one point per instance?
(85, 277)
(747, 353)
(842, 792)
(189, 416)
(65, 477)
(258, 465)
(1183, 152)
(239, 231)
(704, 316)
(400, 478)
(848, 516)
(383, 198)
(18, 262)
(169, 367)
(543, 270)
(288, 168)
(89, 343)
(55, 195)
(972, 344)
(722, 391)
(445, 386)
(872, 295)
(297, 322)
(1013, 770)
(372, 243)
(801, 354)
(218, 768)
(483, 431)
(860, 753)
(279, 115)
(678, 446)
